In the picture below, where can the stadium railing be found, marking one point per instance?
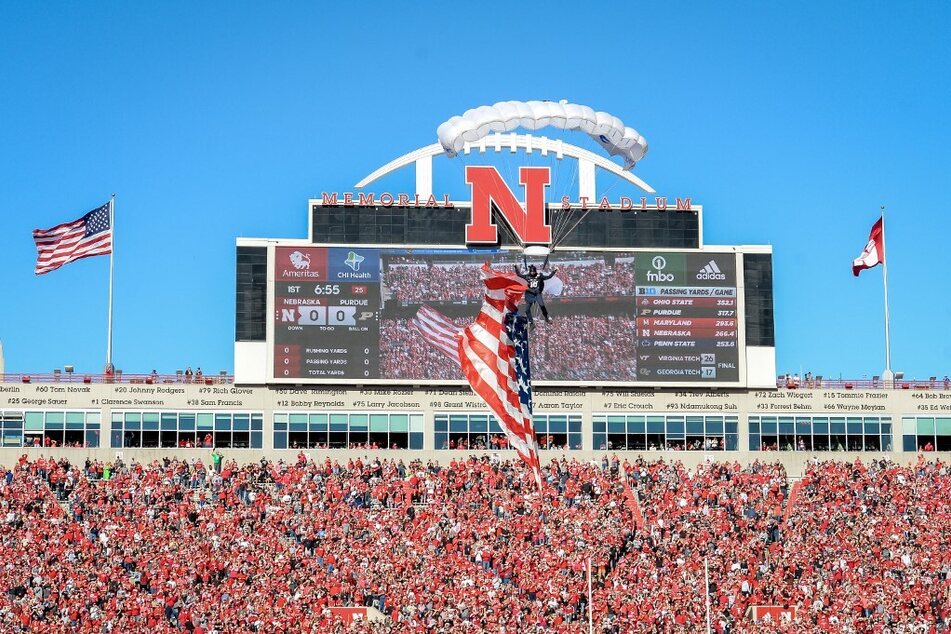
(118, 377)
(863, 384)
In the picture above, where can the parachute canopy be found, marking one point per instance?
(505, 116)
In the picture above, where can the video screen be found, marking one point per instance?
(349, 314)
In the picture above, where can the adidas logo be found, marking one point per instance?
(711, 272)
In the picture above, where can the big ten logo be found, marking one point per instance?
(529, 223)
(657, 275)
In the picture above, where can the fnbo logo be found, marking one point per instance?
(659, 263)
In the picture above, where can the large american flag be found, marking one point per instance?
(493, 352)
(438, 330)
(90, 235)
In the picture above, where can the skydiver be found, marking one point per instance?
(533, 295)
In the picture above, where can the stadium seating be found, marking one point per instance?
(469, 546)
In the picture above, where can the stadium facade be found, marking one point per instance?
(661, 344)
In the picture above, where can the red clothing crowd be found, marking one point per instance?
(470, 546)
(417, 282)
(579, 347)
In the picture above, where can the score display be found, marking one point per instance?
(346, 314)
(687, 317)
(326, 319)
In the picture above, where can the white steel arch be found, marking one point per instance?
(587, 161)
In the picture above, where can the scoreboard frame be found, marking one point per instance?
(741, 344)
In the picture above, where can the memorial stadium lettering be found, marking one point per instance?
(621, 203)
(386, 199)
(492, 199)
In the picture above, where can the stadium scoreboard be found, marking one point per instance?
(641, 317)
(326, 314)
(687, 317)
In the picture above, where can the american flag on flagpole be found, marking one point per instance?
(90, 235)
(493, 352)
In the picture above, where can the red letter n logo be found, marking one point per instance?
(528, 224)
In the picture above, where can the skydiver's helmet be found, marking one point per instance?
(532, 271)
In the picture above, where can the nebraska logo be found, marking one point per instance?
(528, 223)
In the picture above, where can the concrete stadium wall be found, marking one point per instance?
(108, 399)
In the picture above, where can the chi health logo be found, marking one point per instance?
(353, 260)
(300, 261)
(711, 272)
(659, 263)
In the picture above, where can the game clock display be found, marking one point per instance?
(326, 313)
(350, 315)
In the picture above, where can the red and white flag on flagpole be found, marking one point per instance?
(874, 252)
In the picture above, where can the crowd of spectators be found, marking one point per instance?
(417, 282)
(405, 354)
(425, 282)
(470, 546)
(585, 348)
(869, 544)
(572, 347)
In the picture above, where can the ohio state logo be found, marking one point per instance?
(529, 223)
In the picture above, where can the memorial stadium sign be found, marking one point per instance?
(489, 190)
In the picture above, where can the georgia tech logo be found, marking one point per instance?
(711, 272)
(300, 261)
(659, 263)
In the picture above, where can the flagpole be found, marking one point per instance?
(590, 608)
(706, 590)
(112, 228)
(887, 375)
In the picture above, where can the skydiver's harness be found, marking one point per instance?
(533, 294)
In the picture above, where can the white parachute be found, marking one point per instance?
(505, 116)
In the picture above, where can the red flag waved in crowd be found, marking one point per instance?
(874, 252)
(495, 369)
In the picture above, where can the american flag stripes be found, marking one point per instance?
(438, 330)
(496, 365)
(90, 235)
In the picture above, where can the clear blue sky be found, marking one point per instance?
(790, 122)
